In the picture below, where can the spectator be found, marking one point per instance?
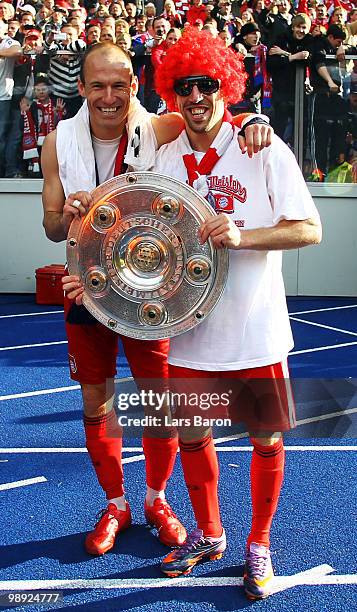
(150, 10)
(131, 11)
(124, 41)
(115, 10)
(121, 27)
(161, 26)
(172, 37)
(42, 17)
(317, 30)
(140, 25)
(39, 119)
(56, 21)
(171, 14)
(321, 15)
(255, 66)
(93, 34)
(211, 27)
(10, 49)
(26, 67)
(26, 20)
(196, 11)
(292, 48)
(65, 68)
(225, 35)
(247, 16)
(223, 16)
(259, 14)
(328, 106)
(107, 34)
(6, 11)
(278, 24)
(351, 130)
(13, 27)
(101, 13)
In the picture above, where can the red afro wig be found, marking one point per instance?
(197, 52)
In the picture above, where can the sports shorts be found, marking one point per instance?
(93, 350)
(261, 398)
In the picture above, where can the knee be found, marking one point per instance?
(98, 399)
(268, 440)
(188, 435)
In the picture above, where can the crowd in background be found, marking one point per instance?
(41, 45)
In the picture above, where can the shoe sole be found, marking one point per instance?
(253, 597)
(214, 557)
(256, 597)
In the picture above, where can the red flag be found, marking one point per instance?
(302, 8)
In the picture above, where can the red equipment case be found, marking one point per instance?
(48, 284)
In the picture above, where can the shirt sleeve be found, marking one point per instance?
(288, 193)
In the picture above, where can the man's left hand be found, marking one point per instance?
(222, 231)
(257, 137)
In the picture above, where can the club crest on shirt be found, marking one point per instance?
(223, 203)
(226, 186)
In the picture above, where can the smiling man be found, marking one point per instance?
(95, 145)
(264, 207)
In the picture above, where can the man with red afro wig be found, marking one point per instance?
(264, 206)
(198, 53)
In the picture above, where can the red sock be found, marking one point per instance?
(266, 472)
(160, 456)
(200, 467)
(104, 444)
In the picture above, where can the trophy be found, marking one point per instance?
(145, 273)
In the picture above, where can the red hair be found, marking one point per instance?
(197, 52)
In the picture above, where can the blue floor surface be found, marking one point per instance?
(43, 524)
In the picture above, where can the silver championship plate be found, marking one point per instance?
(137, 251)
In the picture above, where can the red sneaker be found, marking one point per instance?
(161, 516)
(112, 521)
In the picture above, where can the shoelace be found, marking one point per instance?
(258, 563)
(192, 541)
(166, 509)
(104, 511)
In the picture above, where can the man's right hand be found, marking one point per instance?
(76, 206)
(73, 288)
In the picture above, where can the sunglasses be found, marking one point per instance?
(205, 84)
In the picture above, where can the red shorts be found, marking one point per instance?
(260, 397)
(93, 349)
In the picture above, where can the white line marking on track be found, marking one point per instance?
(133, 459)
(22, 483)
(54, 390)
(31, 314)
(39, 392)
(322, 417)
(322, 309)
(323, 348)
(49, 312)
(329, 327)
(245, 449)
(242, 449)
(23, 346)
(315, 576)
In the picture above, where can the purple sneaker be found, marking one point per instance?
(196, 548)
(258, 572)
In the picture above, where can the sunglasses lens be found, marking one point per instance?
(206, 85)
